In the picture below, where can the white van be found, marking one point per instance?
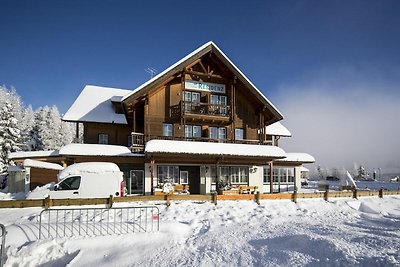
(89, 180)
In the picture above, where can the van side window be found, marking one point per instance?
(70, 183)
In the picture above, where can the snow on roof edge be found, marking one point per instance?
(298, 157)
(42, 165)
(204, 46)
(278, 129)
(219, 149)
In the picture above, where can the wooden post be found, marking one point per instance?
(110, 201)
(47, 202)
(326, 193)
(214, 198)
(168, 199)
(77, 131)
(152, 176)
(271, 180)
(381, 192)
(258, 197)
(355, 193)
(295, 195)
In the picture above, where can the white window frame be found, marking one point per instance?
(103, 139)
(168, 129)
(239, 134)
(184, 180)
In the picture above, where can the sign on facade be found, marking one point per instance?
(203, 86)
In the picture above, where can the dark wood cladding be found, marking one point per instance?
(40, 177)
(117, 133)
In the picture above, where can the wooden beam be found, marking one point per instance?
(208, 75)
(271, 178)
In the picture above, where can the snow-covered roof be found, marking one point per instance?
(96, 150)
(42, 165)
(277, 129)
(209, 46)
(304, 169)
(298, 157)
(88, 167)
(205, 148)
(94, 104)
(32, 154)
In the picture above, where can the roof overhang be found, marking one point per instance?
(299, 158)
(97, 150)
(277, 129)
(180, 65)
(190, 148)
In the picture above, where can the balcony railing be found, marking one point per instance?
(206, 109)
(137, 142)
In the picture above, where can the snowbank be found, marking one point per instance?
(312, 232)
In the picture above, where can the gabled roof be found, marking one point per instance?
(277, 129)
(204, 49)
(94, 104)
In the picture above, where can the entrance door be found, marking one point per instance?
(137, 181)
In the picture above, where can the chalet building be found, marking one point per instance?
(201, 124)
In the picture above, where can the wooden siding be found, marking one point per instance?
(40, 177)
(117, 133)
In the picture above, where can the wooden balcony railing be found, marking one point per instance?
(206, 109)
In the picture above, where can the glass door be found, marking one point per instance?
(137, 181)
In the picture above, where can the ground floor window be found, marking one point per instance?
(227, 175)
(168, 173)
(279, 175)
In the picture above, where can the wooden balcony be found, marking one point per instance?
(137, 142)
(203, 111)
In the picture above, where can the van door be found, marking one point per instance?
(136, 185)
(67, 188)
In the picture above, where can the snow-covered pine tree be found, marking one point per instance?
(28, 136)
(9, 134)
(10, 117)
(52, 133)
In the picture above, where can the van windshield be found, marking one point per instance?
(70, 183)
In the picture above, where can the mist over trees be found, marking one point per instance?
(23, 129)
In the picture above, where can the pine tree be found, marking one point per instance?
(9, 134)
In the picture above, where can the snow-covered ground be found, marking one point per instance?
(341, 232)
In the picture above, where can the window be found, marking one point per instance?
(167, 129)
(218, 104)
(193, 131)
(192, 100)
(280, 175)
(70, 183)
(239, 134)
(239, 175)
(168, 173)
(217, 133)
(103, 139)
(184, 177)
(230, 175)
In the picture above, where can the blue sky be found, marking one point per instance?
(50, 49)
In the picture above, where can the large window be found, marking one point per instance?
(103, 139)
(193, 131)
(167, 129)
(279, 175)
(218, 104)
(192, 100)
(168, 173)
(226, 175)
(217, 132)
